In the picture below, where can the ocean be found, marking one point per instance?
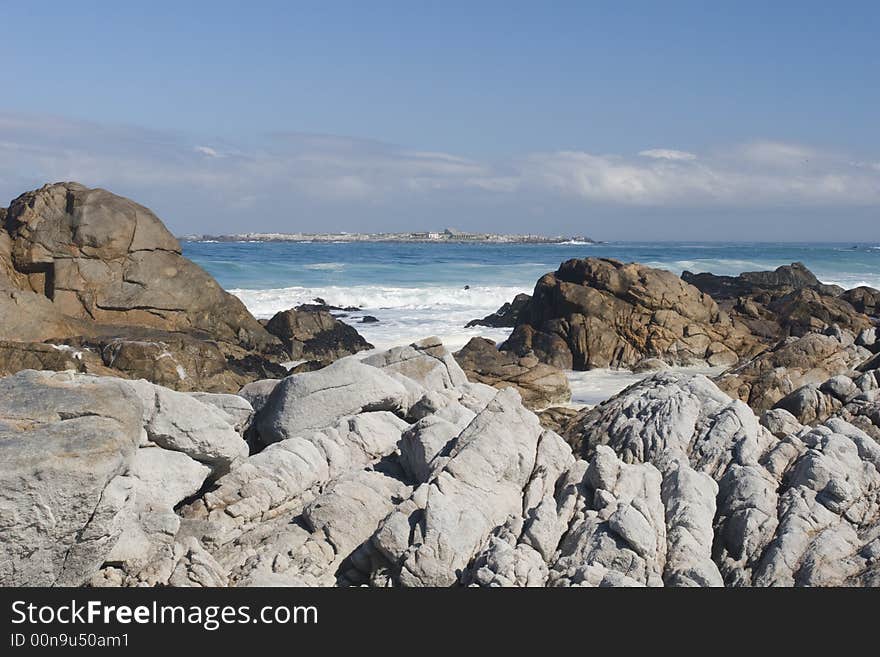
(420, 289)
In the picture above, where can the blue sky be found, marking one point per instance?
(678, 120)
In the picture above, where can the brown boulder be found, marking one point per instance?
(538, 384)
(101, 257)
(787, 301)
(600, 312)
(315, 335)
(103, 275)
(506, 316)
(864, 299)
(806, 311)
(558, 419)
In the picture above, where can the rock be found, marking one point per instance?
(864, 299)
(692, 408)
(776, 304)
(97, 256)
(792, 363)
(506, 316)
(538, 384)
(314, 400)
(182, 423)
(557, 418)
(87, 479)
(780, 422)
(238, 410)
(315, 335)
(257, 392)
(427, 362)
(791, 511)
(806, 310)
(386, 480)
(854, 399)
(649, 365)
(840, 387)
(369, 319)
(17, 356)
(809, 405)
(781, 281)
(867, 338)
(603, 313)
(478, 488)
(61, 446)
(100, 273)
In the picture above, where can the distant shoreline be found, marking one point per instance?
(448, 236)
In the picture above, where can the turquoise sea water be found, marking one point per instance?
(417, 290)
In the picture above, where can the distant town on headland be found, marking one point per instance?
(447, 235)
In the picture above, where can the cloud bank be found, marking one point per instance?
(294, 181)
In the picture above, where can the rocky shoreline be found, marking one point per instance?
(152, 433)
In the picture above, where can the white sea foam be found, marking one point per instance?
(405, 314)
(718, 266)
(265, 303)
(325, 266)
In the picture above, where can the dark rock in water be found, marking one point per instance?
(864, 299)
(467, 287)
(540, 385)
(787, 301)
(782, 280)
(316, 335)
(369, 319)
(600, 312)
(85, 267)
(506, 316)
(311, 307)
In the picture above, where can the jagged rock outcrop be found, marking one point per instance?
(787, 301)
(417, 477)
(506, 316)
(539, 385)
(779, 282)
(93, 469)
(315, 335)
(599, 312)
(99, 272)
(854, 398)
(796, 510)
(792, 363)
(864, 299)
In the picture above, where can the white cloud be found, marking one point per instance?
(326, 171)
(667, 154)
(207, 150)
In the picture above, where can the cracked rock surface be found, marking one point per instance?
(396, 471)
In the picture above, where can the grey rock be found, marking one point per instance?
(426, 362)
(315, 400)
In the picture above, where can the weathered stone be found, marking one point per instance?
(813, 358)
(314, 400)
(506, 316)
(603, 313)
(538, 384)
(315, 335)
